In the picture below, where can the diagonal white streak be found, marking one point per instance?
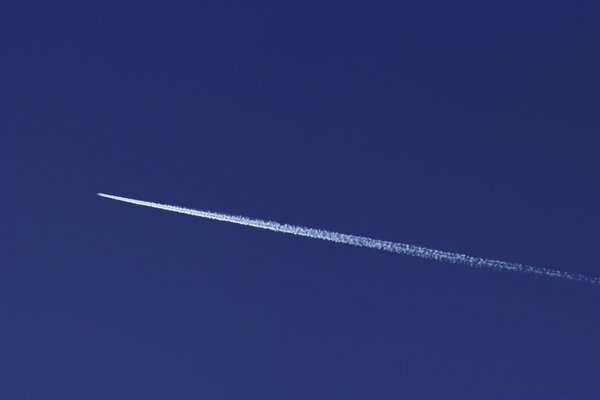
(361, 241)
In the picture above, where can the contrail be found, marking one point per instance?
(361, 241)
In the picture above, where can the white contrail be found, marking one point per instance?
(362, 241)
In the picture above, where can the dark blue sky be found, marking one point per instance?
(460, 126)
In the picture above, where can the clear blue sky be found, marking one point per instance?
(463, 126)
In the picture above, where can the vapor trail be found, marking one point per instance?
(361, 241)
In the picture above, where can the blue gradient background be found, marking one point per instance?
(454, 125)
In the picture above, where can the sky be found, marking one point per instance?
(465, 126)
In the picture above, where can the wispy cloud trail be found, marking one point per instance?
(361, 241)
